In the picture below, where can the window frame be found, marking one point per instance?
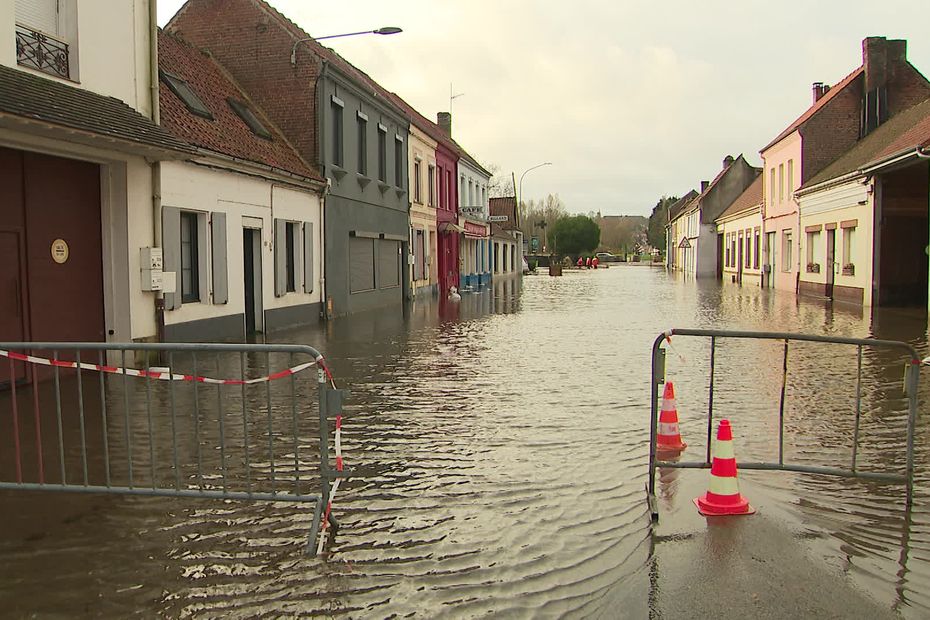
(382, 153)
(183, 91)
(247, 115)
(192, 221)
(337, 146)
(431, 170)
(361, 127)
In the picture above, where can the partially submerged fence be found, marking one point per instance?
(911, 380)
(220, 421)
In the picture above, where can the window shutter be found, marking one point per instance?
(426, 240)
(171, 252)
(280, 257)
(220, 277)
(308, 257)
(39, 14)
(389, 263)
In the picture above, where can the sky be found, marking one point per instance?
(629, 99)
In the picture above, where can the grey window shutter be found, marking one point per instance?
(280, 257)
(220, 277)
(171, 251)
(308, 257)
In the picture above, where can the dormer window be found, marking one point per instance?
(186, 94)
(249, 118)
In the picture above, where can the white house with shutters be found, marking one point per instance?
(242, 219)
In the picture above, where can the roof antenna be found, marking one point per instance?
(452, 96)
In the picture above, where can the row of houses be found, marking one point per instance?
(224, 175)
(839, 208)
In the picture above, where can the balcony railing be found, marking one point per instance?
(40, 51)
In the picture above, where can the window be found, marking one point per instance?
(733, 249)
(388, 263)
(362, 144)
(248, 117)
(781, 183)
(382, 153)
(748, 250)
(398, 161)
(462, 196)
(337, 153)
(727, 250)
(849, 237)
(755, 253)
(431, 181)
(290, 236)
(361, 264)
(190, 258)
(772, 188)
(39, 14)
(790, 177)
(813, 242)
(416, 181)
(419, 251)
(786, 250)
(183, 91)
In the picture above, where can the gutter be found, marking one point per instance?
(849, 176)
(157, 233)
(269, 173)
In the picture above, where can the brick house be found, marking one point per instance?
(885, 84)
(246, 189)
(341, 122)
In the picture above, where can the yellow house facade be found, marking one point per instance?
(740, 228)
(422, 160)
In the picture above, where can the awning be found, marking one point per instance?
(450, 227)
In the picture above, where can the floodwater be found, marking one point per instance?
(498, 449)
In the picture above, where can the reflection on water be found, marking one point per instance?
(499, 445)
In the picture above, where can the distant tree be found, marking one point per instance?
(655, 233)
(574, 235)
(538, 216)
(501, 183)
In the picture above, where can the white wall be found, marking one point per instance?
(112, 46)
(196, 188)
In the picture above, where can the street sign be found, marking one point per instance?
(534, 244)
(498, 218)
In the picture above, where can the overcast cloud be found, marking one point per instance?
(629, 99)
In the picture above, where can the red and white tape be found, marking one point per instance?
(332, 492)
(156, 373)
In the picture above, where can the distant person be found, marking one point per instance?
(587, 262)
(594, 262)
(580, 262)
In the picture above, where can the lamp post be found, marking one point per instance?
(520, 196)
(382, 30)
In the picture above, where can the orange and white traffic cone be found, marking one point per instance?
(723, 496)
(668, 438)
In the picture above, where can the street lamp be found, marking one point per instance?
(520, 197)
(382, 30)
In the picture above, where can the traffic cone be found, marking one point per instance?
(723, 496)
(668, 439)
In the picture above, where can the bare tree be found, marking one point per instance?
(501, 184)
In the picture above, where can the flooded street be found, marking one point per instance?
(499, 451)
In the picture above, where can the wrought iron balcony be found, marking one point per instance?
(40, 51)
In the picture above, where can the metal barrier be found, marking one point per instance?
(84, 420)
(911, 379)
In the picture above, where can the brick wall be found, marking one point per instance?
(832, 131)
(255, 46)
(835, 129)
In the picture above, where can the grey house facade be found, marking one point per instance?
(341, 122)
(364, 157)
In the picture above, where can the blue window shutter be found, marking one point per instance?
(220, 275)
(171, 252)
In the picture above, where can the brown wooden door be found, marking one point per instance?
(829, 263)
(62, 201)
(12, 298)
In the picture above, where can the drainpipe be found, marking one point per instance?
(156, 165)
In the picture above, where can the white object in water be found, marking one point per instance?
(454, 294)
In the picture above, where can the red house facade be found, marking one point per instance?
(447, 215)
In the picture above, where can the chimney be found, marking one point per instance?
(875, 61)
(704, 185)
(727, 161)
(819, 90)
(444, 120)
